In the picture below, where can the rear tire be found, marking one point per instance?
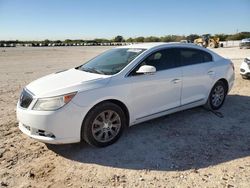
(217, 96)
(103, 125)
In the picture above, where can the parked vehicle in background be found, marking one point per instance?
(245, 43)
(124, 86)
(185, 41)
(245, 68)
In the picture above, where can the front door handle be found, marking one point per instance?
(175, 81)
(210, 72)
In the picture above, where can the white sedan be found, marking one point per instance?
(122, 87)
(245, 68)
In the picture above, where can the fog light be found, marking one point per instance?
(45, 133)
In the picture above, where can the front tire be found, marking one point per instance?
(217, 96)
(103, 125)
(245, 77)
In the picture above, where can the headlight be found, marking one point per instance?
(53, 103)
(247, 60)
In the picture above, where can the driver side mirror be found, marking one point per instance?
(146, 69)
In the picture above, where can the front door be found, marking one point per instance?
(157, 92)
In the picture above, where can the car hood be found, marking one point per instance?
(66, 82)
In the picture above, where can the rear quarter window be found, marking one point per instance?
(207, 57)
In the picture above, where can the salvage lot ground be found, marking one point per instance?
(193, 148)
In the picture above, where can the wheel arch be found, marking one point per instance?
(122, 106)
(225, 82)
(208, 105)
(114, 101)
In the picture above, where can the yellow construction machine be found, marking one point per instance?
(207, 41)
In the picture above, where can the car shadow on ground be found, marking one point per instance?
(190, 139)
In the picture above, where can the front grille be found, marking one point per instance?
(25, 99)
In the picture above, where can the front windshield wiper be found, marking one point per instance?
(92, 70)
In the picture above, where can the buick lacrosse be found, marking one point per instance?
(122, 87)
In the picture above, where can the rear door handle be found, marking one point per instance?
(175, 81)
(210, 72)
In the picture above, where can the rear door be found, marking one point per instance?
(197, 74)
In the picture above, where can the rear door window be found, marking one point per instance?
(193, 56)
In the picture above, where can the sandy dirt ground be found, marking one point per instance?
(193, 148)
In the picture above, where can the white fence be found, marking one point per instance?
(231, 43)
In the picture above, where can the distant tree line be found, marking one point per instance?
(119, 39)
(191, 37)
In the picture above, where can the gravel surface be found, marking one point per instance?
(192, 148)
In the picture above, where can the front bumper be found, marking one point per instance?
(245, 45)
(245, 69)
(54, 127)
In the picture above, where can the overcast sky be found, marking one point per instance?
(88, 19)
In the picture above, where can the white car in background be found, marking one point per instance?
(122, 87)
(245, 68)
(245, 43)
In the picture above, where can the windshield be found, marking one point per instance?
(112, 61)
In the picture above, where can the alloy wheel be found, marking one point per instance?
(106, 126)
(218, 95)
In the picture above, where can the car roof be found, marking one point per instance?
(159, 44)
(144, 45)
(156, 45)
